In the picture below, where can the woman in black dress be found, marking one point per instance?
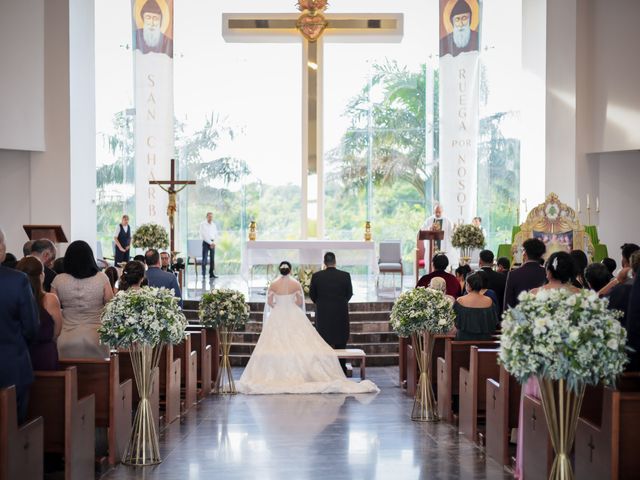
(44, 352)
(476, 317)
(122, 240)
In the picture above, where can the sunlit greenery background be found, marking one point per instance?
(388, 114)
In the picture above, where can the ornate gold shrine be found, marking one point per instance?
(557, 225)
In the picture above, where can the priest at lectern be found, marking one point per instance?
(438, 221)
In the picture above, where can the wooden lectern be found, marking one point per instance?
(51, 232)
(432, 236)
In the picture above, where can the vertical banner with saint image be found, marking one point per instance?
(152, 22)
(460, 23)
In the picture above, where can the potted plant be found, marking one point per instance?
(150, 235)
(225, 310)
(416, 312)
(143, 320)
(467, 238)
(566, 341)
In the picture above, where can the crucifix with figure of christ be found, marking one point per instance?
(172, 207)
(312, 27)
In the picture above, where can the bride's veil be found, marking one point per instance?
(271, 298)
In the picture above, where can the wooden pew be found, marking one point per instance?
(126, 373)
(170, 378)
(214, 341)
(21, 446)
(188, 373)
(456, 356)
(204, 352)
(607, 447)
(483, 364)
(69, 422)
(113, 399)
(503, 408)
(538, 451)
(402, 360)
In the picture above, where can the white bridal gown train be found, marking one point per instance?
(291, 357)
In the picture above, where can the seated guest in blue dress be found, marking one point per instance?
(158, 278)
(18, 327)
(476, 315)
(44, 351)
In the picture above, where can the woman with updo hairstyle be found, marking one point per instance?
(284, 268)
(476, 316)
(132, 276)
(561, 270)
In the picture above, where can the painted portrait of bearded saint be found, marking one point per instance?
(462, 38)
(150, 38)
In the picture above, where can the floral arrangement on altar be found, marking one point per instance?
(150, 235)
(223, 307)
(148, 316)
(468, 236)
(422, 309)
(557, 335)
(303, 275)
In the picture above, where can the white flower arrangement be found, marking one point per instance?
(223, 307)
(147, 315)
(422, 309)
(468, 236)
(559, 335)
(304, 275)
(150, 235)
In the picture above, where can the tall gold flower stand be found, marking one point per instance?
(143, 448)
(424, 404)
(224, 382)
(561, 410)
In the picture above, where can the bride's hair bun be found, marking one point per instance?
(285, 268)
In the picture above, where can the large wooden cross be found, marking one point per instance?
(172, 207)
(282, 28)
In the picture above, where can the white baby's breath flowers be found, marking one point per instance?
(422, 309)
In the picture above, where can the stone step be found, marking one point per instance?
(374, 316)
(373, 360)
(369, 348)
(363, 338)
(353, 306)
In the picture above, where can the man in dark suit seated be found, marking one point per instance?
(158, 278)
(496, 281)
(529, 276)
(440, 263)
(18, 326)
(331, 290)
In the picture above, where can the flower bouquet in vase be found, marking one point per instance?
(150, 235)
(566, 341)
(225, 310)
(416, 312)
(143, 320)
(467, 238)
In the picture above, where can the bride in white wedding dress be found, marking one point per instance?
(291, 357)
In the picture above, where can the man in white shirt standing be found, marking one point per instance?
(208, 234)
(438, 221)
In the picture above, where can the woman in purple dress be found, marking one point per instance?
(44, 352)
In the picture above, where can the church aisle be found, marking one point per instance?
(314, 437)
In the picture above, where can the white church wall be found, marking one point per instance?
(619, 177)
(14, 198)
(614, 73)
(22, 74)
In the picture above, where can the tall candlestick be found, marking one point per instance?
(587, 201)
(578, 207)
(597, 204)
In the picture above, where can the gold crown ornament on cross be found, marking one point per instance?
(312, 23)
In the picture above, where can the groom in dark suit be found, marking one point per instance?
(331, 291)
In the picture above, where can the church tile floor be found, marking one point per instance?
(314, 437)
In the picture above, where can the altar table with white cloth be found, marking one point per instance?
(308, 252)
